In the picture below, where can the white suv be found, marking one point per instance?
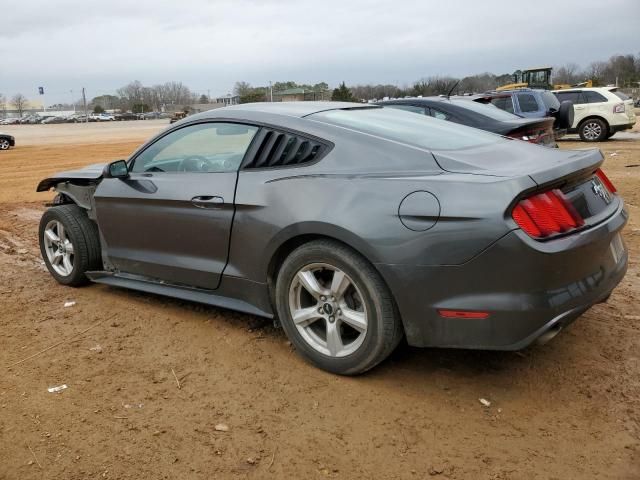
(599, 112)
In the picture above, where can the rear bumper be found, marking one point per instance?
(619, 128)
(529, 288)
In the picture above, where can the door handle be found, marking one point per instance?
(578, 108)
(207, 201)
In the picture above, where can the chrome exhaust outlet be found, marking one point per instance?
(549, 334)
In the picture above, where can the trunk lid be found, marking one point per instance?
(516, 158)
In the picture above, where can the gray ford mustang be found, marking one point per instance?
(354, 225)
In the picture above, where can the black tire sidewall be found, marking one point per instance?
(373, 343)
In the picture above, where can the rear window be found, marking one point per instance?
(405, 127)
(409, 108)
(486, 109)
(503, 103)
(620, 95)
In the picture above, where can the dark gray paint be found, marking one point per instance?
(472, 257)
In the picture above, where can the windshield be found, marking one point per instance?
(486, 109)
(409, 128)
(550, 101)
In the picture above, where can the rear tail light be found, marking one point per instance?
(605, 180)
(466, 314)
(619, 108)
(546, 214)
(532, 137)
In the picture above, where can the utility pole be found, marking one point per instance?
(73, 102)
(84, 103)
(270, 91)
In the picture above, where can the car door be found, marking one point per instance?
(170, 220)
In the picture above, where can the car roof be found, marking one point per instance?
(291, 109)
(581, 89)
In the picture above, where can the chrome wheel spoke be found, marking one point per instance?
(68, 246)
(50, 234)
(66, 262)
(61, 233)
(353, 318)
(306, 316)
(310, 283)
(339, 284)
(334, 340)
(57, 259)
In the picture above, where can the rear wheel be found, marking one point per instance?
(336, 309)
(70, 244)
(593, 130)
(4, 144)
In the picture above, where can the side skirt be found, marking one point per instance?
(184, 293)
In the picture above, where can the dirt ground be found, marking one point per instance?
(566, 410)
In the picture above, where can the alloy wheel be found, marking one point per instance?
(59, 249)
(328, 310)
(4, 144)
(592, 130)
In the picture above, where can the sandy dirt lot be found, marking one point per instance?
(566, 410)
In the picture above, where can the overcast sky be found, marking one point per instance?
(64, 45)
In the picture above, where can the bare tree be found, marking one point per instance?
(20, 103)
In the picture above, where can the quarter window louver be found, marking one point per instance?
(278, 149)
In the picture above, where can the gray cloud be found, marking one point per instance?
(208, 45)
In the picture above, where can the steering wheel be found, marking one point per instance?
(193, 163)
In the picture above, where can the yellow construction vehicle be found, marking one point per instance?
(538, 78)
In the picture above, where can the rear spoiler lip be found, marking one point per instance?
(90, 174)
(581, 164)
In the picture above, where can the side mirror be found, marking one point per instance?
(117, 169)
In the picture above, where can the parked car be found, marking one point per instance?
(6, 141)
(57, 119)
(600, 112)
(532, 103)
(353, 224)
(30, 119)
(77, 118)
(485, 117)
(637, 104)
(101, 117)
(10, 121)
(125, 116)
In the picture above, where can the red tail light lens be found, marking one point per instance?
(546, 214)
(619, 108)
(605, 180)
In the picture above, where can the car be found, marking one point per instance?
(485, 117)
(6, 141)
(56, 119)
(77, 118)
(353, 225)
(532, 103)
(101, 117)
(600, 112)
(10, 121)
(177, 116)
(125, 116)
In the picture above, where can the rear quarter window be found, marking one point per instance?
(550, 101)
(620, 95)
(594, 97)
(503, 103)
(408, 128)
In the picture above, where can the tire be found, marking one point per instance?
(593, 130)
(365, 301)
(610, 134)
(565, 115)
(84, 254)
(4, 144)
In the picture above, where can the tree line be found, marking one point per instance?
(623, 70)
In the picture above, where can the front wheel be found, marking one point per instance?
(336, 309)
(4, 144)
(70, 244)
(593, 130)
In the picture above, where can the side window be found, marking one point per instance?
(204, 148)
(527, 103)
(438, 114)
(409, 108)
(571, 96)
(503, 103)
(593, 97)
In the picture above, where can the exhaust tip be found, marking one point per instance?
(549, 334)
